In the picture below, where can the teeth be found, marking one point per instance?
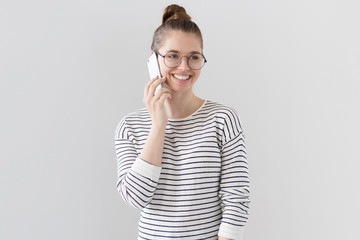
(181, 77)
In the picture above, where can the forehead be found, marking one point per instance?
(182, 42)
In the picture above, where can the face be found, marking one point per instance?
(182, 77)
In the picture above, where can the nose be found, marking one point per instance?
(183, 63)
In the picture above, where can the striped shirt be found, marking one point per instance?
(202, 188)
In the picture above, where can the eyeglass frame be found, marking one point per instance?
(188, 57)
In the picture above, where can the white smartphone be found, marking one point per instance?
(154, 69)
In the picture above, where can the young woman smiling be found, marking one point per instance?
(182, 159)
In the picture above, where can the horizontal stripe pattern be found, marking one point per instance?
(203, 182)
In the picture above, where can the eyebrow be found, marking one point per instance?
(192, 52)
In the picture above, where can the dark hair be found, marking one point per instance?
(174, 18)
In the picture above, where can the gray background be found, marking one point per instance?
(71, 69)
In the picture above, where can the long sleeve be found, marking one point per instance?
(201, 190)
(234, 185)
(137, 179)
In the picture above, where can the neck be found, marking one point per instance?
(182, 105)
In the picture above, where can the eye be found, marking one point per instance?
(172, 56)
(195, 57)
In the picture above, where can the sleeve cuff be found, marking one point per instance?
(146, 169)
(229, 231)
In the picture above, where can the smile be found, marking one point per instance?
(181, 77)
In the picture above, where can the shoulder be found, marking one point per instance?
(132, 121)
(222, 111)
(227, 120)
(138, 116)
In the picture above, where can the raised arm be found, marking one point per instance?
(154, 145)
(138, 175)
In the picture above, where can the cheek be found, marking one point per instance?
(197, 73)
(164, 72)
(163, 69)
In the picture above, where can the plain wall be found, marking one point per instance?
(71, 69)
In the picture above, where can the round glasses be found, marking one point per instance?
(173, 59)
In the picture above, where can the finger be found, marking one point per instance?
(146, 88)
(152, 81)
(154, 85)
(163, 98)
(148, 95)
(165, 85)
(161, 92)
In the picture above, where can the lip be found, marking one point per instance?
(181, 81)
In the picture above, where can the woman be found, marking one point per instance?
(182, 159)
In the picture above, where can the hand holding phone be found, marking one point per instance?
(154, 69)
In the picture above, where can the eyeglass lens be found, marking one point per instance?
(195, 61)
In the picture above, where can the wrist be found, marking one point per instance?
(158, 129)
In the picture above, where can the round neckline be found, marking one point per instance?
(189, 116)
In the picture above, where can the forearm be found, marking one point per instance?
(137, 179)
(153, 147)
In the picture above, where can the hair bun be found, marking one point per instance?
(174, 12)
